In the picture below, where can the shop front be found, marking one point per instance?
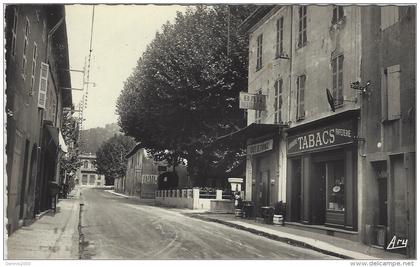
(322, 174)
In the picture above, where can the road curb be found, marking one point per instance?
(287, 240)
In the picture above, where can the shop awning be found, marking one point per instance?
(62, 143)
(251, 131)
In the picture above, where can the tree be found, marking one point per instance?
(69, 162)
(110, 157)
(184, 91)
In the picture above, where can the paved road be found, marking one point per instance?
(118, 228)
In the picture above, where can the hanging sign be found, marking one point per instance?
(252, 101)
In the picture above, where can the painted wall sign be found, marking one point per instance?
(332, 135)
(260, 147)
(252, 101)
(149, 179)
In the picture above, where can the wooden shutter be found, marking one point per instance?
(43, 85)
(393, 92)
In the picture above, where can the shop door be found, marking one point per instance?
(296, 202)
(318, 193)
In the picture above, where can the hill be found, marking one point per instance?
(93, 138)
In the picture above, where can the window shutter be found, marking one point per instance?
(393, 90)
(43, 85)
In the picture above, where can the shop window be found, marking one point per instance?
(338, 14)
(301, 97)
(391, 107)
(259, 51)
(278, 88)
(302, 26)
(337, 69)
(389, 16)
(335, 186)
(279, 37)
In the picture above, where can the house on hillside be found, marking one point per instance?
(37, 73)
(86, 175)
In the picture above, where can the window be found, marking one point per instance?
(84, 179)
(302, 26)
(92, 179)
(25, 47)
(85, 164)
(14, 33)
(278, 88)
(259, 51)
(338, 14)
(258, 113)
(337, 69)
(301, 97)
(279, 38)
(391, 105)
(34, 58)
(389, 16)
(43, 85)
(335, 185)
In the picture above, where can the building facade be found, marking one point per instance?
(36, 64)
(86, 175)
(144, 175)
(388, 113)
(314, 143)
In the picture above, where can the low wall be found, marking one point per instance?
(190, 199)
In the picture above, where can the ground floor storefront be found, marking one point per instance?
(322, 169)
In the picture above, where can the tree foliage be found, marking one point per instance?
(69, 162)
(110, 157)
(183, 94)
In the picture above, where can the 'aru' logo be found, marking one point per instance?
(397, 243)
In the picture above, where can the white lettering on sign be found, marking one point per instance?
(252, 101)
(260, 147)
(149, 179)
(337, 134)
(315, 140)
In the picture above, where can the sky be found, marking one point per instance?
(121, 34)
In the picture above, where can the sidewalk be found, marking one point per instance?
(53, 236)
(334, 246)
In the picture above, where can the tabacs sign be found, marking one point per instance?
(252, 101)
(333, 135)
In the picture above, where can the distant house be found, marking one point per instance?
(87, 175)
(144, 175)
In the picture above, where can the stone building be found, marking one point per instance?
(320, 73)
(36, 70)
(86, 175)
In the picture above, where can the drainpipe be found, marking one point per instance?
(290, 60)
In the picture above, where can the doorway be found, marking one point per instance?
(318, 193)
(296, 181)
